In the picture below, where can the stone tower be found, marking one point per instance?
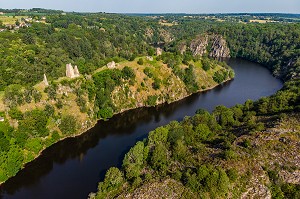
(45, 80)
(72, 72)
(69, 71)
(76, 72)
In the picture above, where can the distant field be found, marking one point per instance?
(261, 21)
(26, 13)
(166, 24)
(10, 19)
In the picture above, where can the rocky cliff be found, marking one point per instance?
(199, 45)
(214, 45)
(219, 47)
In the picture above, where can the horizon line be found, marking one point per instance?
(192, 13)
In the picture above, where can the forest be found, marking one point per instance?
(37, 116)
(212, 155)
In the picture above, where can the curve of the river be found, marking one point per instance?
(72, 168)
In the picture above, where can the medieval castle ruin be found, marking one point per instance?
(72, 72)
(45, 80)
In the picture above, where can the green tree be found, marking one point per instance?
(224, 116)
(105, 113)
(35, 123)
(128, 73)
(159, 158)
(68, 124)
(140, 61)
(49, 110)
(134, 160)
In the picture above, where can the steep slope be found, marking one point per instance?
(35, 118)
(239, 152)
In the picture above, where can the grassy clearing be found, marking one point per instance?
(10, 19)
(166, 24)
(261, 21)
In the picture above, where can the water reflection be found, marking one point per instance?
(72, 168)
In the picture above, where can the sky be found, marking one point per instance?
(160, 6)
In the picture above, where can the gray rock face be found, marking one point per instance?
(219, 48)
(200, 45)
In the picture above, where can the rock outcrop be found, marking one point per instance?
(159, 51)
(219, 47)
(111, 65)
(200, 46)
(149, 58)
(165, 36)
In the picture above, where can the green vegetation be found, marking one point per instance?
(37, 115)
(204, 152)
(203, 155)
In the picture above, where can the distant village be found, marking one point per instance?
(20, 22)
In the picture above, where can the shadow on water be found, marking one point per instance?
(72, 148)
(73, 167)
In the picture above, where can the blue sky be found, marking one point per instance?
(160, 6)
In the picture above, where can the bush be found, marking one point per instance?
(246, 143)
(16, 114)
(206, 64)
(229, 155)
(35, 123)
(105, 113)
(49, 110)
(133, 161)
(151, 101)
(34, 145)
(128, 73)
(140, 61)
(232, 175)
(148, 72)
(68, 124)
(156, 84)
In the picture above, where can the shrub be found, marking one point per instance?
(151, 101)
(105, 113)
(140, 61)
(128, 73)
(68, 124)
(14, 113)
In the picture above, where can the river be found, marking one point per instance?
(72, 168)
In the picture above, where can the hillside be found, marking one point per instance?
(38, 117)
(132, 61)
(247, 151)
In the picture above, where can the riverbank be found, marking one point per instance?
(123, 111)
(66, 100)
(83, 157)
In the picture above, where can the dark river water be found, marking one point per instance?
(72, 168)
